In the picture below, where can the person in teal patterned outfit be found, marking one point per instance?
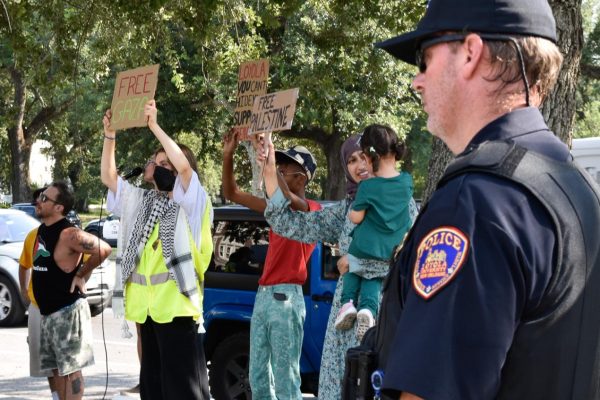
(330, 225)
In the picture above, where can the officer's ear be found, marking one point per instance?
(471, 51)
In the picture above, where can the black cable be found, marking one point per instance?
(101, 298)
(522, 68)
(133, 173)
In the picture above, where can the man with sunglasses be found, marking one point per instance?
(58, 280)
(34, 317)
(495, 293)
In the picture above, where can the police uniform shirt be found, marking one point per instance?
(479, 257)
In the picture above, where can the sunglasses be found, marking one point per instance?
(43, 198)
(283, 173)
(425, 44)
(459, 37)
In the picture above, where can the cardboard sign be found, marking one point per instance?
(133, 88)
(273, 112)
(252, 82)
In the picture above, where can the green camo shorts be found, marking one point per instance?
(276, 333)
(66, 342)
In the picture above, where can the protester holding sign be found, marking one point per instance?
(164, 248)
(276, 329)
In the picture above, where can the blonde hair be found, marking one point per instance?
(541, 57)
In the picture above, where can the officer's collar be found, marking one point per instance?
(516, 123)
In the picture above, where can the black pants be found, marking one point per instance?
(173, 363)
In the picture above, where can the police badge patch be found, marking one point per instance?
(440, 256)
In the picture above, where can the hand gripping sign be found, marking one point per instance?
(133, 88)
(273, 112)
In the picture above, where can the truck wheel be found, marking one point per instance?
(12, 311)
(229, 367)
(96, 310)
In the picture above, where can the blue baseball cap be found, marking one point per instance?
(505, 17)
(299, 155)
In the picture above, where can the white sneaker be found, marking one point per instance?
(365, 321)
(346, 317)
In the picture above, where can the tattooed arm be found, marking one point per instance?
(73, 243)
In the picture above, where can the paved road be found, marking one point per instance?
(123, 367)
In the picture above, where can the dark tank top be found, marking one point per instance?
(51, 284)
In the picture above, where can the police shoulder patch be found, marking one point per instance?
(440, 255)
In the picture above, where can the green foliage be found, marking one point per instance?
(72, 50)
(587, 118)
(345, 83)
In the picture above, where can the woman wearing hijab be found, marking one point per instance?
(331, 225)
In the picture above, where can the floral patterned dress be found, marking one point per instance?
(327, 225)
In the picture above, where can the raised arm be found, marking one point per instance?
(231, 191)
(323, 225)
(108, 167)
(270, 171)
(174, 153)
(274, 180)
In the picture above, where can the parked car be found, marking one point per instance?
(106, 228)
(14, 226)
(240, 244)
(29, 208)
(586, 152)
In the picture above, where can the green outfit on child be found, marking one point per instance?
(385, 223)
(373, 241)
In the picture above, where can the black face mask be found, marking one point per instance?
(164, 178)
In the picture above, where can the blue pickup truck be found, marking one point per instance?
(241, 240)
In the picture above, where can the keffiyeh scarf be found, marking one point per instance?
(153, 207)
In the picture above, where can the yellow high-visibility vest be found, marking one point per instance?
(149, 292)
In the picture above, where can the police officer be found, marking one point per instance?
(494, 292)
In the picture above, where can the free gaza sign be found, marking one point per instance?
(133, 88)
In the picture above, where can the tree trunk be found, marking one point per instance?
(73, 172)
(440, 157)
(335, 185)
(21, 137)
(257, 178)
(559, 108)
(20, 146)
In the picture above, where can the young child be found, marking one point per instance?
(380, 211)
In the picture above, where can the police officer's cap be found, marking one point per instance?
(512, 17)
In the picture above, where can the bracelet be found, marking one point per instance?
(109, 137)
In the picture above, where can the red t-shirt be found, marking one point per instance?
(286, 259)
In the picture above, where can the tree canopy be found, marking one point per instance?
(59, 59)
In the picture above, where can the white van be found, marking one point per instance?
(586, 153)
